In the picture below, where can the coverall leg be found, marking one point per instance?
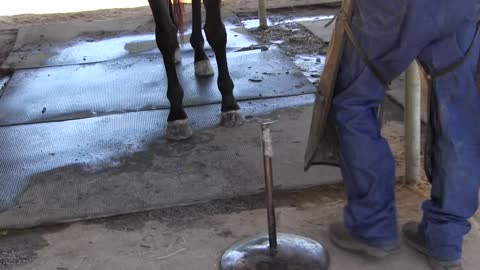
(456, 145)
(393, 34)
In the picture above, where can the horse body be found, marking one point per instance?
(168, 19)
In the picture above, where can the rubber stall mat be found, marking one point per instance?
(33, 49)
(139, 83)
(116, 164)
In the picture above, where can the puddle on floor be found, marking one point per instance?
(311, 65)
(255, 23)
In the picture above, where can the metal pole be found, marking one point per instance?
(412, 124)
(262, 14)
(267, 162)
(284, 251)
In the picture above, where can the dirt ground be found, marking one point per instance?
(193, 237)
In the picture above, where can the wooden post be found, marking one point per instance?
(262, 14)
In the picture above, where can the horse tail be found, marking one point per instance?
(179, 12)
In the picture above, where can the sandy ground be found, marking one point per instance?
(194, 237)
(10, 8)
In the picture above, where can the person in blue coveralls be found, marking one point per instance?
(441, 35)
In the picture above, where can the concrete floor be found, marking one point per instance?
(194, 237)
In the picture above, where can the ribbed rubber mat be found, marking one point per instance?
(115, 164)
(139, 83)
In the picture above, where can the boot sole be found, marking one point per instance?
(363, 248)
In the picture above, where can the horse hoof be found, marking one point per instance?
(178, 56)
(231, 119)
(179, 130)
(203, 68)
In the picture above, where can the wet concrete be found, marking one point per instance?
(319, 28)
(36, 44)
(117, 164)
(255, 23)
(139, 83)
(85, 43)
(311, 65)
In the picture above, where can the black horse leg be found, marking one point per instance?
(217, 38)
(178, 55)
(166, 37)
(203, 67)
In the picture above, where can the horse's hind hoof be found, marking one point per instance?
(203, 68)
(178, 56)
(231, 119)
(179, 130)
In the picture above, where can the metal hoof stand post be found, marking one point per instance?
(274, 251)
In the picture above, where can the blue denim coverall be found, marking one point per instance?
(393, 33)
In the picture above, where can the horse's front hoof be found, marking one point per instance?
(178, 56)
(203, 68)
(179, 130)
(231, 119)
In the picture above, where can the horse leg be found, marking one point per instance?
(178, 55)
(178, 127)
(217, 38)
(203, 67)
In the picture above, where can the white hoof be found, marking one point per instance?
(231, 119)
(203, 68)
(179, 130)
(178, 56)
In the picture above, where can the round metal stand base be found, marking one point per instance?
(293, 253)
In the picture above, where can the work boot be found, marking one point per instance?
(417, 241)
(343, 239)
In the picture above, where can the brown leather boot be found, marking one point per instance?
(343, 239)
